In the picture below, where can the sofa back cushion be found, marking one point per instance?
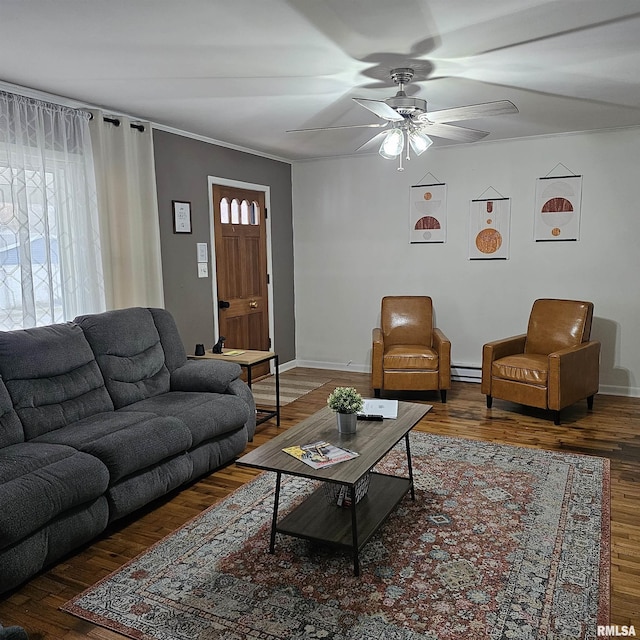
(52, 377)
(407, 320)
(127, 347)
(558, 324)
(10, 426)
(174, 354)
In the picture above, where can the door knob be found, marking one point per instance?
(253, 304)
(223, 304)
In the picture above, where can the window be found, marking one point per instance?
(243, 213)
(50, 260)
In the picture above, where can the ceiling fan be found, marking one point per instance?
(409, 125)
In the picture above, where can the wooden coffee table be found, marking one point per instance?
(317, 519)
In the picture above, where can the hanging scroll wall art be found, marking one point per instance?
(428, 213)
(558, 202)
(489, 222)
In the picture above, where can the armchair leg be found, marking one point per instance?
(376, 393)
(590, 403)
(443, 395)
(489, 402)
(556, 417)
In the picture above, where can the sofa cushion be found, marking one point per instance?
(73, 528)
(129, 353)
(206, 415)
(558, 324)
(139, 489)
(39, 482)
(410, 356)
(55, 380)
(125, 441)
(10, 426)
(528, 368)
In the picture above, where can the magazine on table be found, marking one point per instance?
(321, 454)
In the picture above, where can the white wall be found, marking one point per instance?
(351, 243)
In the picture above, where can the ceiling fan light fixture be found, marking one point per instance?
(392, 145)
(419, 142)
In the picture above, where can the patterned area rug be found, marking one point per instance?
(501, 542)
(291, 388)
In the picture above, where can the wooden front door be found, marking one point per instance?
(241, 268)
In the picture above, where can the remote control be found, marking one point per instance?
(372, 417)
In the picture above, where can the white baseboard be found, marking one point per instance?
(336, 366)
(611, 390)
(292, 364)
(459, 373)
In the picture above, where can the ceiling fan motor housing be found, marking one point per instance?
(401, 103)
(406, 106)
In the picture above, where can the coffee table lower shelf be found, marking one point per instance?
(316, 519)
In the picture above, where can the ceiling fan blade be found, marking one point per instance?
(380, 108)
(471, 112)
(453, 132)
(376, 125)
(376, 140)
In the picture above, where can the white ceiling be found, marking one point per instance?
(245, 71)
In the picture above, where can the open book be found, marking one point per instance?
(320, 454)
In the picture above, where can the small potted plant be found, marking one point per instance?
(346, 402)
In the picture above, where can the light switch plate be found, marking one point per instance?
(203, 270)
(203, 251)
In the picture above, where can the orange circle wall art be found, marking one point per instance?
(488, 241)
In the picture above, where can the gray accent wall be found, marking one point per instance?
(183, 167)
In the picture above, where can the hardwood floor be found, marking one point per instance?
(612, 430)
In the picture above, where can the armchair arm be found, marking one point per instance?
(377, 352)
(573, 374)
(442, 345)
(494, 351)
(205, 375)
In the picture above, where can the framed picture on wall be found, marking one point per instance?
(428, 213)
(558, 204)
(489, 222)
(181, 216)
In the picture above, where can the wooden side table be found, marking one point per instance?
(248, 359)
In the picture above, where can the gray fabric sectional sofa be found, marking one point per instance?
(99, 417)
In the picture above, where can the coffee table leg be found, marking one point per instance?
(277, 391)
(275, 513)
(354, 533)
(413, 492)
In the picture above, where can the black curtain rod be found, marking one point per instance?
(116, 122)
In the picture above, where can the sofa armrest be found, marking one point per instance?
(240, 389)
(205, 375)
(494, 351)
(442, 345)
(377, 352)
(573, 374)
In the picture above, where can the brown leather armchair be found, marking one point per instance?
(409, 353)
(552, 366)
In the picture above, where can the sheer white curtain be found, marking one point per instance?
(50, 260)
(125, 176)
